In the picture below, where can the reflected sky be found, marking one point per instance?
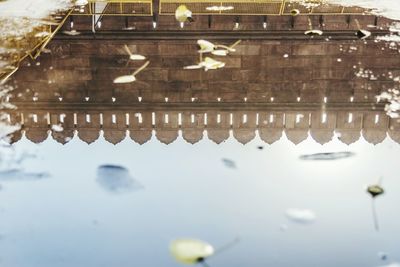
(69, 220)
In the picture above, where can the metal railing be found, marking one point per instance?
(117, 8)
(256, 7)
(31, 45)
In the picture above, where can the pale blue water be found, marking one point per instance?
(71, 220)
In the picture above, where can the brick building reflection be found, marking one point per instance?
(296, 87)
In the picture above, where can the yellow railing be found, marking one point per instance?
(201, 7)
(30, 45)
(256, 7)
(117, 8)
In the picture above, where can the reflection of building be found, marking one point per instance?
(270, 84)
(296, 124)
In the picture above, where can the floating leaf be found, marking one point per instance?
(193, 67)
(133, 56)
(130, 78)
(375, 191)
(183, 14)
(205, 46)
(72, 32)
(220, 52)
(190, 251)
(125, 79)
(313, 32)
(294, 12)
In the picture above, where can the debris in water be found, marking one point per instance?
(191, 251)
(208, 64)
(311, 31)
(133, 56)
(375, 191)
(302, 216)
(216, 49)
(72, 32)
(382, 255)
(327, 156)
(229, 163)
(116, 179)
(362, 34)
(294, 12)
(131, 78)
(183, 14)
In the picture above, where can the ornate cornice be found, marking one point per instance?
(242, 124)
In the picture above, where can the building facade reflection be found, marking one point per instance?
(297, 87)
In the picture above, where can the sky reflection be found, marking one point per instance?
(189, 193)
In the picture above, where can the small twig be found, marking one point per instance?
(127, 50)
(141, 68)
(227, 246)
(358, 24)
(309, 24)
(235, 43)
(374, 215)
